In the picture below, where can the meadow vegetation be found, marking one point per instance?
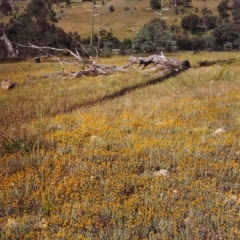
(115, 157)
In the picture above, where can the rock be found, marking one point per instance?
(7, 84)
(161, 173)
(219, 131)
(175, 191)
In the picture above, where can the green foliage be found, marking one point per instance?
(184, 44)
(208, 19)
(111, 9)
(41, 11)
(126, 47)
(155, 4)
(109, 38)
(186, 3)
(236, 15)
(36, 27)
(5, 7)
(228, 46)
(191, 22)
(223, 9)
(107, 49)
(236, 43)
(154, 37)
(23, 144)
(211, 44)
(226, 32)
(198, 43)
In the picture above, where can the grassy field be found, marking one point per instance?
(83, 159)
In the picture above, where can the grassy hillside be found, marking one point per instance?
(123, 24)
(75, 167)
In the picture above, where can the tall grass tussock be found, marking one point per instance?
(83, 159)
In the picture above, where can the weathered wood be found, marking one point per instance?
(158, 61)
(37, 59)
(7, 84)
(11, 52)
(98, 70)
(93, 69)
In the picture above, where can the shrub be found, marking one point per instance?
(154, 37)
(111, 9)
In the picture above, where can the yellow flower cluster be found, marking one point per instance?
(155, 173)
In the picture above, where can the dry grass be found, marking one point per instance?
(91, 173)
(123, 24)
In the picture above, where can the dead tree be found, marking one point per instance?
(93, 69)
(7, 7)
(10, 51)
(146, 61)
(140, 60)
(132, 60)
(159, 62)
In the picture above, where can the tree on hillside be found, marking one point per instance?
(41, 11)
(236, 4)
(111, 8)
(226, 33)
(236, 43)
(198, 43)
(184, 43)
(155, 4)
(209, 21)
(154, 37)
(236, 15)
(36, 26)
(8, 50)
(6, 7)
(223, 8)
(109, 38)
(186, 3)
(191, 22)
(126, 47)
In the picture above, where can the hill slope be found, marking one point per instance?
(122, 23)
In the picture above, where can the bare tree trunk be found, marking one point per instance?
(11, 53)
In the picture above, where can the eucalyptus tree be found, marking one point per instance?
(154, 37)
(36, 26)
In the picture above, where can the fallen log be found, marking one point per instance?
(93, 69)
(159, 62)
(97, 71)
